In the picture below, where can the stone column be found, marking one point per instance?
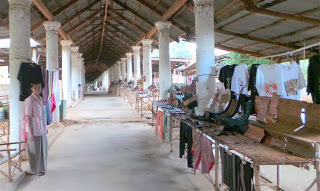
(147, 64)
(82, 77)
(52, 59)
(19, 24)
(129, 66)
(34, 55)
(104, 80)
(136, 58)
(78, 74)
(74, 73)
(119, 70)
(95, 85)
(107, 80)
(115, 72)
(66, 78)
(205, 63)
(124, 68)
(164, 58)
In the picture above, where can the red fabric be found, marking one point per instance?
(159, 124)
(53, 103)
(202, 152)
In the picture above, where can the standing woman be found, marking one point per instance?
(36, 131)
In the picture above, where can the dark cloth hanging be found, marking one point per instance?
(226, 74)
(236, 175)
(29, 73)
(186, 138)
(252, 84)
(313, 86)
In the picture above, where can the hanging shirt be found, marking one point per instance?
(313, 86)
(29, 73)
(226, 74)
(269, 80)
(35, 111)
(240, 79)
(293, 81)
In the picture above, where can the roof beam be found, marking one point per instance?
(255, 38)
(82, 22)
(67, 22)
(168, 14)
(49, 16)
(133, 12)
(251, 7)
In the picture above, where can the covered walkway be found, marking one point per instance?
(108, 147)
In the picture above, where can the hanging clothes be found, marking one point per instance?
(225, 75)
(240, 80)
(186, 138)
(269, 80)
(29, 73)
(202, 152)
(236, 175)
(159, 124)
(252, 84)
(294, 81)
(313, 86)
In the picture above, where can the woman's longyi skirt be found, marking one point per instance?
(38, 153)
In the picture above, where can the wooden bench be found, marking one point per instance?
(8, 154)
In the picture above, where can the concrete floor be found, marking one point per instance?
(110, 148)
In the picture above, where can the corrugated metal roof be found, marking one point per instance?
(239, 27)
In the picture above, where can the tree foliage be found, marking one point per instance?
(177, 50)
(236, 58)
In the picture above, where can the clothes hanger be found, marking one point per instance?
(289, 54)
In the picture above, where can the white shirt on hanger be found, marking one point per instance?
(240, 79)
(269, 80)
(293, 81)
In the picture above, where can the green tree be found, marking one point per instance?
(236, 58)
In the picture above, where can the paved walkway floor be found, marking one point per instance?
(109, 147)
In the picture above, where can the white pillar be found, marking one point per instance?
(66, 78)
(52, 58)
(147, 65)
(74, 72)
(118, 63)
(34, 55)
(129, 66)
(82, 77)
(164, 58)
(78, 74)
(104, 80)
(205, 63)
(19, 24)
(95, 85)
(107, 80)
(123, 68)
(115, 72)
(136, 58)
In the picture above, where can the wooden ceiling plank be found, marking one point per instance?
(255, 38)
(134, 12)
(251, 7)
(64, 7)
(170, 12)
(64, 24)
(82, 22)
(231, 49)
(49, 16)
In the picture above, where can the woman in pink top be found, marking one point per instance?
(37, 130)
